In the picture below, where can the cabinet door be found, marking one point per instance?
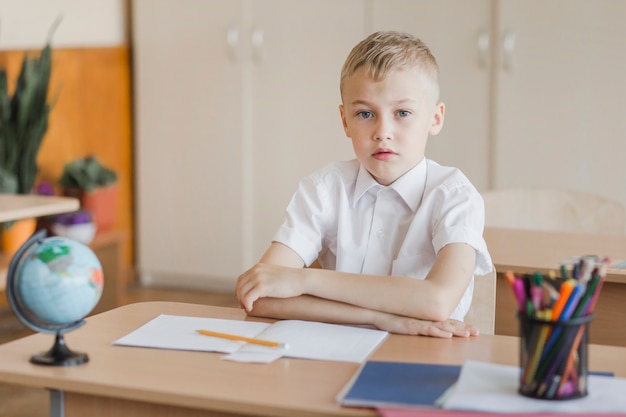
(561, 95)
(187, 85)
(298, 49)
(458, 35)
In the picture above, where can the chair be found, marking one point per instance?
(552, 209)
(482, 312)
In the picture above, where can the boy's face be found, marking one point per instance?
(389, 121)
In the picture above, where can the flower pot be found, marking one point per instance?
(102, 203)
(14, 236)
(77, 225)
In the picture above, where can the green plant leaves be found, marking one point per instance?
(87, 174)
(24, 122)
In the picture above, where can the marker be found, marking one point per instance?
(243, 339)
(520, 294)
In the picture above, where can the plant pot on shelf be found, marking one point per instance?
(15, 235)
(102, 203)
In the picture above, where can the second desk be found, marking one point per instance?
(528, 251)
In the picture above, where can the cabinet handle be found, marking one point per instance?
(232, 40)
(508, 47)
(482, 42)
(257, 44)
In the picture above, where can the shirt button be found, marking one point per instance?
(380, 233)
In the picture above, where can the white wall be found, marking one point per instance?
(24, 24)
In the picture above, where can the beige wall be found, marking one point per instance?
(24, 24)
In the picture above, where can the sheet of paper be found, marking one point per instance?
(493, 388)
(306, 340)
(181, 333)
(319, 341)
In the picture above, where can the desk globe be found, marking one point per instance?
(52, 284)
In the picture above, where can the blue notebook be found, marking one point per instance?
(379, 384)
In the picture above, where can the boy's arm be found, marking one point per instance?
(306, 307)
(263, 289)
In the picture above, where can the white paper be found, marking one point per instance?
(181, 333)
(490, 387)
(304, 339)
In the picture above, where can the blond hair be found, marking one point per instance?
(387, 51)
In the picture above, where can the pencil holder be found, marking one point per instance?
(553, 357)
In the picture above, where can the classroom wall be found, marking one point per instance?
(24, 24)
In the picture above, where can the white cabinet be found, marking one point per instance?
(235, 101)
(294, 108)
(534, 89)
(457, 33)
(561, 96)
(188, 148)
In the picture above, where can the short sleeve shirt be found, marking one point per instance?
(342, 216)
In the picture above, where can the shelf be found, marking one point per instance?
(21, 206)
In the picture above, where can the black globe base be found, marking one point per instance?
(59, 355)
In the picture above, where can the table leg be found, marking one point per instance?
(57, 403)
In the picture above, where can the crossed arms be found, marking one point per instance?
(279, 287)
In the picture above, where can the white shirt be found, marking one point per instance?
(342, 216)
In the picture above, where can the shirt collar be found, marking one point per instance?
(410, 186)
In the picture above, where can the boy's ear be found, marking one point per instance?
(438, 116)
(343, 120)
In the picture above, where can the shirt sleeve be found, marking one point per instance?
(461, 219)
(302, 229)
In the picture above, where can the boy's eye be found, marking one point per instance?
(365, 114)
(403, 113)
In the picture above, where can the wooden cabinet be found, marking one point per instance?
(235, 101)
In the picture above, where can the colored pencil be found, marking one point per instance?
(243, 339)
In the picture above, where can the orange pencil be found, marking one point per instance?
(566, 290)
(243, 339)
(510, 277)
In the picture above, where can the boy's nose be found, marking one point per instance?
(383, 130)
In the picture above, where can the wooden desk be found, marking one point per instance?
(21, 206)
(132, 381)
(528, 251)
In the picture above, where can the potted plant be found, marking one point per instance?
(23, 125)
(95, 185)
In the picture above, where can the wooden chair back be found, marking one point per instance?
(482, 312)
(552, 209)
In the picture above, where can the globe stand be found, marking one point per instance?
(53, 255)
(59, 355)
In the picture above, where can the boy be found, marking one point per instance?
(399, 236)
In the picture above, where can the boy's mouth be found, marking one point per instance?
(383, 154)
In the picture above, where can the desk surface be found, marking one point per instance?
(528, 251)
(201, 380)
(21, 206)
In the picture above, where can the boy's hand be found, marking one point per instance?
(411, 326)
(267, 280)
